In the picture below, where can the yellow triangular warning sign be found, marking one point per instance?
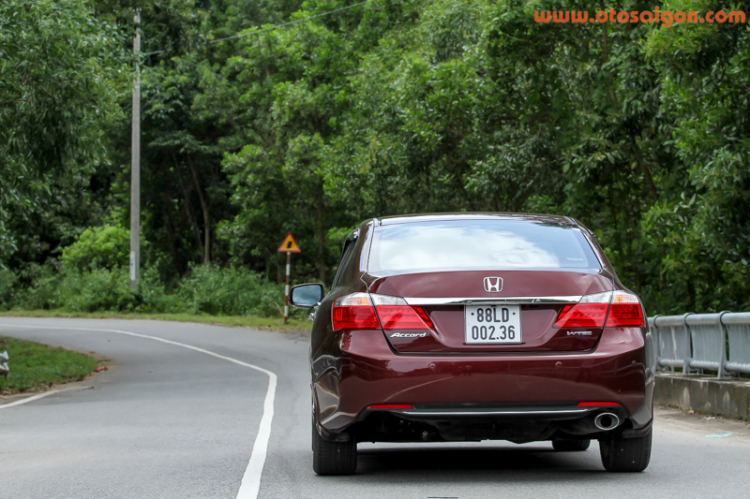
(289, 245)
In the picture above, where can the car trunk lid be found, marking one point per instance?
(491, 311)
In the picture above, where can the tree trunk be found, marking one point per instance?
(188, 209)
(644, 169)
(206, 215)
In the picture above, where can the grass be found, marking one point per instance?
(273, 324)
(36, 366)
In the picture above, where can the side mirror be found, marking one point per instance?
(306, 295)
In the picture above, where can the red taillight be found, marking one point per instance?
(582, 315)
(391, 406)
(403, 317)
(597, 404)
(357, 317)
(595, 311)
(626, 311)
(356, 311)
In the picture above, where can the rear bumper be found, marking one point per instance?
(469, 422)
(488, 387)
(442, 412)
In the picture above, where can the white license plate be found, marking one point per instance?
(492, 324)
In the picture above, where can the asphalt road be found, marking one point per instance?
(186, 418)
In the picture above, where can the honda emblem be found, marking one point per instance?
(493, 284)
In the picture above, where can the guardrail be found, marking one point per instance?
(694, 342)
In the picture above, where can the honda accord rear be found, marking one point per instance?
(470, 327)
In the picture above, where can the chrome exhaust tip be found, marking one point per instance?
(606, 421)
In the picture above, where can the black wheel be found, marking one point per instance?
(626, 454)
(570, 445)
(333, 458)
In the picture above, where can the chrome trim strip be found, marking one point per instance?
(526, 300)
(499, 412)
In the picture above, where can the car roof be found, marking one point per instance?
(441, 217)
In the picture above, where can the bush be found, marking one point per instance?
(42, 293)
(230, 291)
(97, 290)
(77, 291)
(7, 292)
(98, 247)
(152, 296)
(205, 290)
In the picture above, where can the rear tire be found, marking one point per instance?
(333, 458)
(570, 445)
(626, 454)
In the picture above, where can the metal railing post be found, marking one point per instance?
(723, 359)
(686, 361)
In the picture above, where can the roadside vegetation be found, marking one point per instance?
(260, 118)
(90, 281)
(34, 366)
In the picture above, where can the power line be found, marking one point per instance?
(275, 26)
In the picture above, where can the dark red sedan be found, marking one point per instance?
(468, 327)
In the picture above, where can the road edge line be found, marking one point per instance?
(28, 399)
(250, 485)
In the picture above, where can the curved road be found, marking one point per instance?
(185, 411)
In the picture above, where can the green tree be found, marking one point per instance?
(60, 74)
(700, 230)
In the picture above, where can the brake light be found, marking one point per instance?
(403, 317)
(590, 311)
(391, 406)
(582, 315)
(354, 311)
(598, 404)
(608, 309)
(626, 311)
(357, 311)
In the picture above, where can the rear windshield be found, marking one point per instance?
(478, 245)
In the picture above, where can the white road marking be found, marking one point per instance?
(250, 486)
(28, 399)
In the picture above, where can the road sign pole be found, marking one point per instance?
(288, 246)
(286, 289)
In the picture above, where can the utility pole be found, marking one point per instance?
(135, 172)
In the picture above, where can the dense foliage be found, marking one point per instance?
(325, 112)
(60, 74)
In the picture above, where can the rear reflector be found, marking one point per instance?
(391, 406)
(597, 404)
